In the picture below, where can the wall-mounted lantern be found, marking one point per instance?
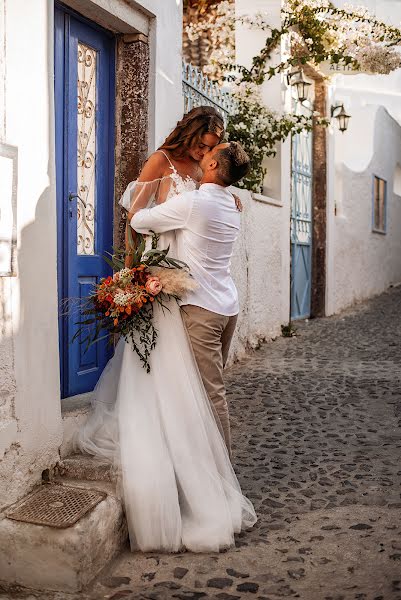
(296, 79)
(338, 112)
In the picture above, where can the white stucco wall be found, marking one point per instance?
(31, 426)
(167, 101)
(363, 263)
(257, 271)
(30, 408)
(277, 185)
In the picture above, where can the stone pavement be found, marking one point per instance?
(317, 447)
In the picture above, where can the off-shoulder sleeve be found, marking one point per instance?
(167, 216)
(139, 195)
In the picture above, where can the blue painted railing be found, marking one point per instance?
(199, 90)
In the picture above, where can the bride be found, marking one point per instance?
(175, 476)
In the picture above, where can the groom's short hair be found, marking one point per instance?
(233, 163)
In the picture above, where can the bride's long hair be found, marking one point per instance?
(188, 131)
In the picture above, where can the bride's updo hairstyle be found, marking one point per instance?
(189, 131)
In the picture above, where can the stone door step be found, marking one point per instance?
(40, 557)
(88, 468)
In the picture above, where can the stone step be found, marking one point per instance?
(85, 467)
(41, 557)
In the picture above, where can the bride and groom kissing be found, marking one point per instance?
(168, 432)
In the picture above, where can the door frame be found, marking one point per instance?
(61, 151)
(294, 244)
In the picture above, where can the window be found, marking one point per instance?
(379, 204)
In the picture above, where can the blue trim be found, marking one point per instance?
(374, 229)
(76, 274)
(70, 11)
(60, 62)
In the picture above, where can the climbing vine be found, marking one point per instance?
(316, 32)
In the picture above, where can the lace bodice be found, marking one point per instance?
(144, 194)
(180, 184)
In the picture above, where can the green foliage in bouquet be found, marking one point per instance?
(123, 304)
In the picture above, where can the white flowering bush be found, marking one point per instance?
(220, 24)
(351, 36)
(259, 130)
(318, 33)
(378, 59)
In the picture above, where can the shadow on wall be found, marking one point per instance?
(37, 336)
(31, 321)
(32, 387)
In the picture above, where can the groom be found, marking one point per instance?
(207, 224)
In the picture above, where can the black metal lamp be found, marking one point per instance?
(341, 116)
(297, 80)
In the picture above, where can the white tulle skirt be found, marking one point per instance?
(176, 479)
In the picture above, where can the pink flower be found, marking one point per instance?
(153, 286)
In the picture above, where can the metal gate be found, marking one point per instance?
(301, 222)
(199, 90)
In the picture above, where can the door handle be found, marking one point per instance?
(71, 197)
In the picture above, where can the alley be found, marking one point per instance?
(317, 446)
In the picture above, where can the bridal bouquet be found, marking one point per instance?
(123, 303)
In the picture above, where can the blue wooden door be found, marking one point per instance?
(84, 98)
(301, 223)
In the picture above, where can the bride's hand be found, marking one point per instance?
(238, 203)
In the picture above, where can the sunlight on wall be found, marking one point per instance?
(397, 180)
(165, 76)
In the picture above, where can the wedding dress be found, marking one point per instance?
(177, 483)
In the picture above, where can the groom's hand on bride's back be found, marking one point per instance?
(238, 203)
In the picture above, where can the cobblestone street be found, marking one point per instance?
(317, 447)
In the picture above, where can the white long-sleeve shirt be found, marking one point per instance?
(207, 224)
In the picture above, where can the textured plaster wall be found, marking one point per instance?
(257, 271)
(30, 430)
(8, 423)
(30, 408)
(132, 117)
(364, 263)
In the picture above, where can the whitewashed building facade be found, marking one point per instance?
(45, 230)
(144, 71)
(364, 175)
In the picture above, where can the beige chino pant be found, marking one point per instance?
(210, 335)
